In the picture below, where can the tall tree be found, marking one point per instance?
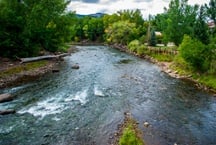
(30, 25)
(181, 17)
(211, 10)
(201, 28)
(121, 32)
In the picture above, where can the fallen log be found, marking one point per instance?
(5, 112)
(47, 57)
(5, 98)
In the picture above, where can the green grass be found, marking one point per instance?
(23, 67)
(163, 57)
(131, 134)
(184, 69)
(208, 80)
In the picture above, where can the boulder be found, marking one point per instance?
(5, 112)
(75, 66)
(5, 98)
(146, 124)
(55, 70)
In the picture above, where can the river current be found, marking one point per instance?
(84, 106)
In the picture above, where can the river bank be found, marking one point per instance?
(14, 73)
(169, 68)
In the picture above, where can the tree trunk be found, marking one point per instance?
(47, 57)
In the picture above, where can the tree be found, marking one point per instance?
(180, 19)
(195, 53)
(28, 26)
(211, 10)
(201, 28)
(153, 40)
(121, 32)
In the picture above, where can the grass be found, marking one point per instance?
(207, 79)
(184, 69)
(23, 67)
(131, 135)
(163, 57)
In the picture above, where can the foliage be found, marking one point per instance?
(130, 134)
(121, 32)
(28, 26)
(211, 10)
(94, 29)
(162, 57)
(24, 67)
(129, 137)
(153, 39)
(195, 53)
(201, 28)
(135, 46)
(177, 20)
(212, 56)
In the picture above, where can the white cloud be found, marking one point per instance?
(111, 6)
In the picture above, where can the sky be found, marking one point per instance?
(146, 7)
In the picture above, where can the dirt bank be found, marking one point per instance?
(11, 77)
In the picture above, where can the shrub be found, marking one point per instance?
(195, 53)
(133, 45)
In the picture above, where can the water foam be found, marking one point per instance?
(46, 107)
(98, 92)
(80, 96)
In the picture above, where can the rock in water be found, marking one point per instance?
(146, 124)
(5, 112)
(55, 70)
(75, 66)
(5, 98)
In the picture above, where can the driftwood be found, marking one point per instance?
(31, 59)
(5, 98)
(5, 112)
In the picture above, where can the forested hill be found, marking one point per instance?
(96, 15)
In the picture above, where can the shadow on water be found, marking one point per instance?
(84, 106)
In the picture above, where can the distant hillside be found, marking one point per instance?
(96, 15)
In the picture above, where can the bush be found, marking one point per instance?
(141, 49)
(133, 45)
(195, 53)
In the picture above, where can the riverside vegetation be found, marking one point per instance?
(29, 27)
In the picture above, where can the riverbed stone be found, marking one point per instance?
(5, 98)
(55, 70)
(75, 66)
(6, 112)
(146, 124)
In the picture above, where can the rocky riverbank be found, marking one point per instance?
(166, 67)
(14, 73)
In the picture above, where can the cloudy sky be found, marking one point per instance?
(111, 6)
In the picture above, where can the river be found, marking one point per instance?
(84, 106)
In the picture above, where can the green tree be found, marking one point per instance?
(195, 53)
(211, 10)
(201, 28)
(28, 26)
(181, 17)
(121, 32)
(153, 40)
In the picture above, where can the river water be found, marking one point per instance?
(84, 106)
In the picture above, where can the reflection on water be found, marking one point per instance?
(83, 107)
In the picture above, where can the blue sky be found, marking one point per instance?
(111, 6)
